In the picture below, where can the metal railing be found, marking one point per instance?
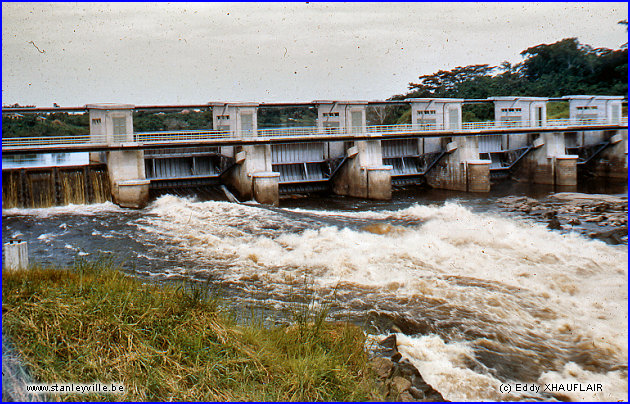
(52, 140)
(145, 137)
(183, 137)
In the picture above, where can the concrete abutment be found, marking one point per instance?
(363, 174)
(461, 169)
(547, 163)
(113, 124)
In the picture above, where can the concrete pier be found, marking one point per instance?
(114, 123)
(548, 162)
(461, 169)
(363, 174)
(250, 161)
(15, 255)
(478, 175)
(265, 187)
(252, 176)
(612, 162)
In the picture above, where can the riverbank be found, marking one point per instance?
(92, 323)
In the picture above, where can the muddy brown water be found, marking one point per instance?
(479, 296)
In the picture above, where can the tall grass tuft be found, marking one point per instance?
(92, 323)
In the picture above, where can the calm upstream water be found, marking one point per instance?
(478, 296)
(45, 160)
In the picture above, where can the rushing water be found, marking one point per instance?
(479, 297)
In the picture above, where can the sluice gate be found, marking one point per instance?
(411, 159)
(588, 145)
(502, 155)
(185, 167)
(44, 187)
(303, 167)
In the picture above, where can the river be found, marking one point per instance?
(478, 295)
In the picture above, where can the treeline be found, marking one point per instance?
(38, 125)
(563, 68)
(148, 121)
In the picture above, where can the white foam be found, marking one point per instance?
(64, 210)
(533, 280)
(443, 367)
(614, 385)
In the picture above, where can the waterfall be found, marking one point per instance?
(54, 186)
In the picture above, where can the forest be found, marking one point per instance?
(562, 68)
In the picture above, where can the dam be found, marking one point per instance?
(342, 154)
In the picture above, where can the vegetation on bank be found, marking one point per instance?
(93, 323)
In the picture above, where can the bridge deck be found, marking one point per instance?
(169, 139)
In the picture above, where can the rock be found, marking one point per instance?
(389, 342)
(391, 354)
(399, 385)
(554, 224)
(382, 367)
(574, 221)
(395, 357)
(405, 397)
(602, 207)
(416, 393)
(407, 369)
(530, 201)
(614, 236)
(435, 396)
(550, 214)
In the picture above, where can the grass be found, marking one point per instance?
(92, 323)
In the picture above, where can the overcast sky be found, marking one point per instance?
(179, 53)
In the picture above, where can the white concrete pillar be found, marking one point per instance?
(363, 174)
(265, 187)
(114, 124)
(548, 162)
(461, 169)
(252, 177)
(15, 255)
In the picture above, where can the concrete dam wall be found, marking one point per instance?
(53, 186)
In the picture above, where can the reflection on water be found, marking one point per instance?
(45, 160)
